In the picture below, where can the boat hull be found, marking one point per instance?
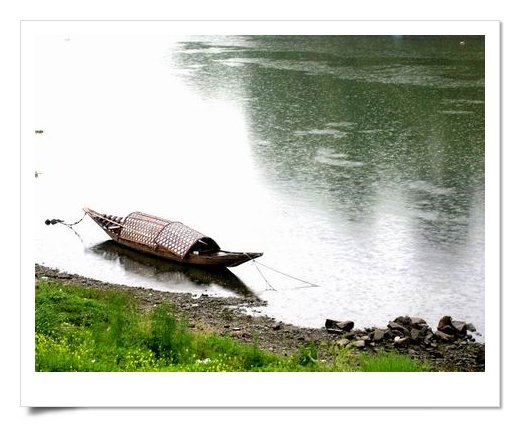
(217, 259)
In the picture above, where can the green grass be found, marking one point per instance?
(82, 329)
(390, 362)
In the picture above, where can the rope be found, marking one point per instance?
(271, 287)
(60, 221)
(256, 263)
(314, 285)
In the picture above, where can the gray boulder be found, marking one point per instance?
(346, 325)
(445, 325)
(443, 336)
(461, 328)
(378, 334)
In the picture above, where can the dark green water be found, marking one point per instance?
(348, 118)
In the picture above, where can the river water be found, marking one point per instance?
(354, 163)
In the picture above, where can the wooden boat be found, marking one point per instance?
(167, 239)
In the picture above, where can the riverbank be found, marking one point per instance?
(232, 317)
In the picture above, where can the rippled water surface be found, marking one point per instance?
(355, 163)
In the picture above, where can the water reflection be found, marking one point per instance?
(148, 267)
(354, 115)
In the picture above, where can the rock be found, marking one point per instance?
(403, 320)
(392, 333)
(417, 322)
(424, 333)
(415, 334)
(443, 336)
(436, 354)
(401, 342)
(277, 326)
(346, 325)
(359, 343)
(379, 334)
(443, 322)
(452, 327)
(329, 323)
(445, 325)
(471, 327)
(460, 327)
(398, 327)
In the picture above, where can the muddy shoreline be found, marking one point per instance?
(230, 316)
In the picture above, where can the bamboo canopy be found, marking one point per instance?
(153, 231)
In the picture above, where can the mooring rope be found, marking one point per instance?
(256, 263)
(60, 221)
(271, 287)
(314, 285)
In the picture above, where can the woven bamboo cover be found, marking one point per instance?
(153, 231)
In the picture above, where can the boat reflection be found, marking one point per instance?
(171, 272)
